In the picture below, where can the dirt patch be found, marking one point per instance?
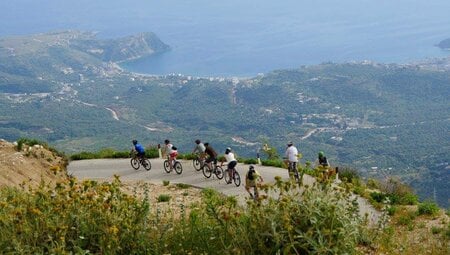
(29, 166)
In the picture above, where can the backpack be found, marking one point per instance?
(251, 175)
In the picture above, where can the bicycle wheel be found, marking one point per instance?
(147, 164)
(219, 172)
(178, 167)
(237, 178)
(197, 164)
(135, 163)
(207, 171)
(226, 175)
(166, 166)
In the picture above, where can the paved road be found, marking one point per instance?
(107, 168)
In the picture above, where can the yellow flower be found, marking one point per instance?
(113, 230)
(36, 211)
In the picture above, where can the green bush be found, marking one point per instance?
(166, 182)
(273, 162)
(249, 161)
(152, 152)
(83, 155)
(373, 184)
(428, 208)
(436, 230)
(404, 220)
(30, 142)
(349, 175)
(378, 197)
(183, 185)
(163, 198)
(392, 210)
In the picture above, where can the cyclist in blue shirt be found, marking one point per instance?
(139, 149)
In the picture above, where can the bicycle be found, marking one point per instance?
(175, 165)
(198, 162)
(293, 170)
(236, 178)
(207, 172)
(137, 161)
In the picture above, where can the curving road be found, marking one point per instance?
(107, 168)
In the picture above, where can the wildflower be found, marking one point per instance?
(36, 211)
(113, 230)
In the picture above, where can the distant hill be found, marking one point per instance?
(381, 119)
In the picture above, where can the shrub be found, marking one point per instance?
(378, 197)
(272, 162)
(152, 152)
(373, 184)
(183, 185)
(349, 175)
(83, 155)
(166, 182)
(428, 208)
(392, 210)
(404, 220)
(250, 161)
(447, 232)
(436, 230)
(163, 198)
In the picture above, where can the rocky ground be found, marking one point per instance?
(29, 166)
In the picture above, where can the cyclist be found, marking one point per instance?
(167, 150)
(252, 179)
(199, 148)
(231, 163)
(212, 155)
(323, 160)
(139, 149)
(324, 167)
(292, 158)
(172, 156)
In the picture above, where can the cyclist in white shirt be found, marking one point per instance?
(232, 162)
(292, 157)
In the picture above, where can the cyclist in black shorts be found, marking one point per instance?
(212, 155)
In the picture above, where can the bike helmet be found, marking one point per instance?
(206, 144)
(227, 150)
(166, 141)
(251, 167)
(289, 143)
(197, 141)
(321, 154)
(134, 142)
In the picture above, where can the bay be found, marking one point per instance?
(247, 37)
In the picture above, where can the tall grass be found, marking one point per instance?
(90, 217)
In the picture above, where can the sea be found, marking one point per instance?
(244, 38)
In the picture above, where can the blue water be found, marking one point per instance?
(246, 37)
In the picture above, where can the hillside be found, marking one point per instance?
(30, 166)
(382, 119)
(406, 232)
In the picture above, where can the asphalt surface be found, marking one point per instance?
(107, 168)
